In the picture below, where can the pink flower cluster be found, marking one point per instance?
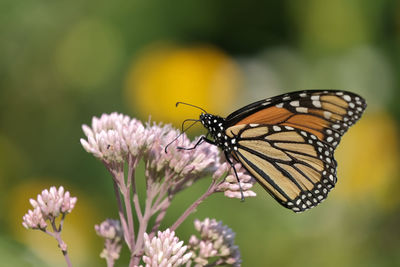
(113, 137)
(165, 249)
(48, 205)
(216, 240)
(111, 231)
(230, 186)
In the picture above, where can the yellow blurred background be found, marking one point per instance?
(63, 62)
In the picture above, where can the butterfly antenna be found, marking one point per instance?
(183, 131)
(183, 103)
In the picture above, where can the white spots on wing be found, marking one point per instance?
(253, 124)
(280, 105)
(327, 114)
(289, 128)
(303, 94)
(302, 110)
(339, 93)
(329, 139)
(317, 103)
(347, 98)
(276, 128)
(315, 97)
(286, 98)
(335, 126)
(295, 103)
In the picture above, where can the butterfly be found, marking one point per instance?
(287, 142)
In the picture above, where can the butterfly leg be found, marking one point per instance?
(199, 142)
(237, 177)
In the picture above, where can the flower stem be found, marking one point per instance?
(163, 210)
(122, 215)
(211, 189)
(126, 193)
(61, 244)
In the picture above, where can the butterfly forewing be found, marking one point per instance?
(326, 114)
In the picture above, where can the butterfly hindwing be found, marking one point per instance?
(295, 167)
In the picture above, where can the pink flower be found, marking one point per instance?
(216, 240)
(53, 202)
(230, 186)
(34, 219)
(113, 136)
(109, 229)
(164, 250)
(179, 164)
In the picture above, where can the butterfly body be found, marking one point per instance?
(216, 127)
(287, 142)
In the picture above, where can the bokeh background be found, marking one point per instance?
(62, 62)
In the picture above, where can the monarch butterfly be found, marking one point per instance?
(287, 142)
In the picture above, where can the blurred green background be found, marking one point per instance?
(62, 62)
